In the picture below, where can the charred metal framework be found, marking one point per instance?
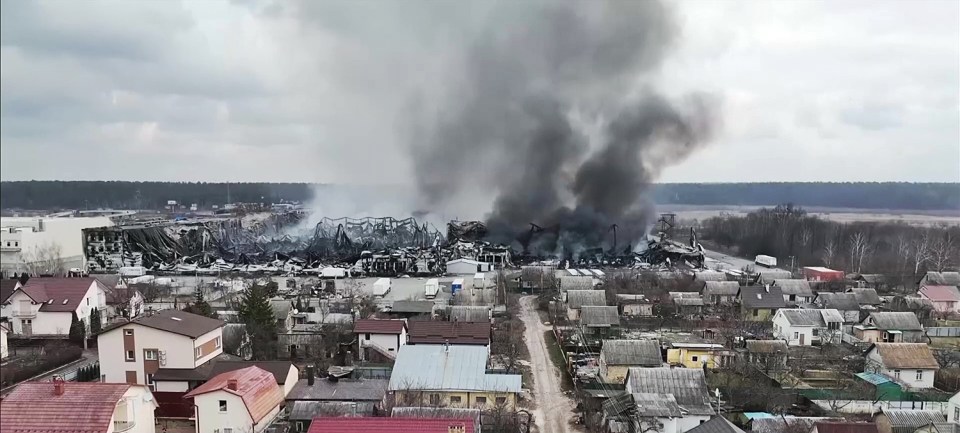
(372, 246)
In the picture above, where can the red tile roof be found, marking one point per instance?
(255, 386)
(941, 293)
(846, 427)
(437, 332)
(58, 290)
(82, 408)
(389, 425)
(374, 326)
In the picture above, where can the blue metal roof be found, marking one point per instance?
(757, 415)
(447, 368)
(874, 378)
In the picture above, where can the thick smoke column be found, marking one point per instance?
(528, 84)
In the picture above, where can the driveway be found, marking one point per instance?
(554, 408)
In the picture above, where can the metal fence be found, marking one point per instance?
(944, 331)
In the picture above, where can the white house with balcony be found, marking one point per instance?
(133, 352)
(382, 336)
(60, 406)
(45, 306)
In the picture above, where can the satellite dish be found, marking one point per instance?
(716, 392)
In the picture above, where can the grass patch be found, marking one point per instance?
(559, 360)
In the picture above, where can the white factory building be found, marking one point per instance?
(39, 244)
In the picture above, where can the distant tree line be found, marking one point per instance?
(48, 195)
(862, 195)
(902, 252)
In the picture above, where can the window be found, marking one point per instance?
(455, 399)
(88, 301)
(919, 374)
(833, 325)
(197, 352)
(434, 399)
(896, 374)
(131, 355)
(481, 401)
(217, 345)
(816, 332)
(227, 430)
(151, 383)
(793, 297)
(796, 335)
(127, 332)
(223, 405)
(694, 359)
(501, 400)
(366, 336)
(956, 414)
(756, 313)
(150, 354)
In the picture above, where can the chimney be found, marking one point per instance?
(58, 384)
(232, 384)
(310, 377)
(766, 288)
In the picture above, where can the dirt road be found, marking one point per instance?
(554, 408)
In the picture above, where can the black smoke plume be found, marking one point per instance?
(549, 117)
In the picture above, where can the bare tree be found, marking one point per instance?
(46, 259)
(859, 250)
(942, 253)
(921, 251)
(829, 252)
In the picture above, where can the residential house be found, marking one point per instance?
(45, 306)
(689, 407)
(689, 304)
(393, 425)
(866, 297)
(844, 427)
(806, 327)
(616, 356)
(123, 303)
(872, 281)
(945, 299)
(953, 408)
(820, 273)
(905, 420)
(634, 305)
(940, 279)
(708, 275)
(890, 327)
(438, 413)
(576, 299)
(470, 313)
(381, 336)
(302, 342)
(410, 309)
(172, 403)
(313, 397)
(767, 355)
(245, 400)
(598, 323)
(719, 292)
(939, 427)
(920, 307)
(698, 355)
(285, 373)
(909, 364)
(283, 312)
(846, 303)
(768, 276)
(759, 303)
(4, 352)
(449, 375)
(443, 332)
(134, 351)
(717, 424)
(88, 407)
(795, 292)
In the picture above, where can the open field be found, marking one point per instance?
(843, 215)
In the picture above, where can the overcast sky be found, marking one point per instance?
(249, 90)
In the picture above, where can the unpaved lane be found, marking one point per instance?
(554, 408)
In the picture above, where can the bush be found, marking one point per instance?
(54, 356)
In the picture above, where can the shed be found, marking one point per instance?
(469, 313)
(580, 298)
(599, 316)
(906, 421)
(467, 267)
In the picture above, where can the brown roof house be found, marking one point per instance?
(912, 365)
(46, 306)
(443, 332)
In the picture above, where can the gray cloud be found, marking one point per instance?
(341, 91)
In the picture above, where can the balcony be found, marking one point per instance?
(24, 313)
(120, 426)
